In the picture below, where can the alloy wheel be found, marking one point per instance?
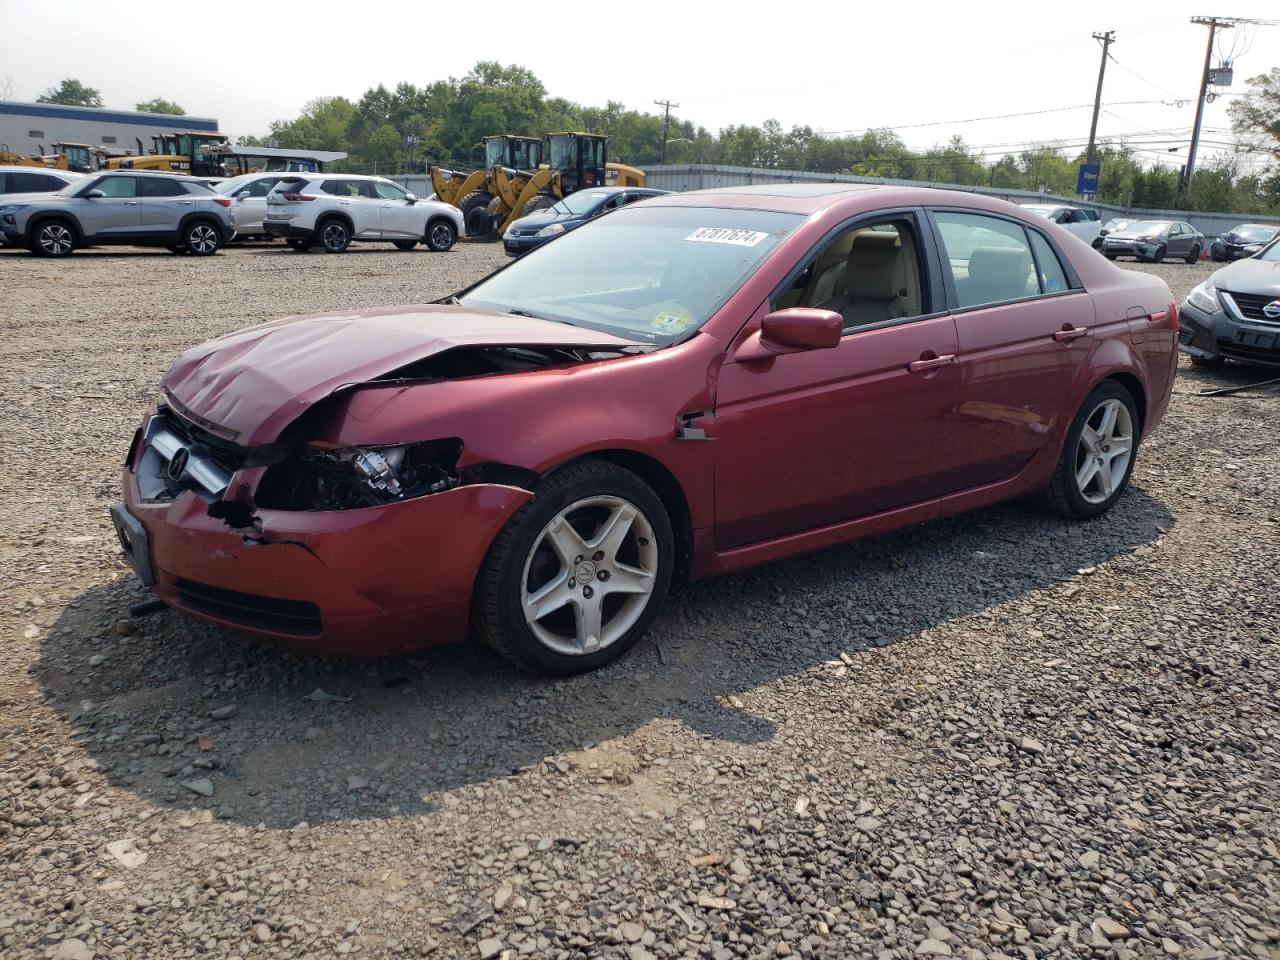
(589, 575)
(1104, 451)
(441, 236)
(202, 239)
(334, 236)
(55, 240)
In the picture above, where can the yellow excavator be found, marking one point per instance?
(192, 152)
(562, 163)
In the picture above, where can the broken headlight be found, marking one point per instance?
(314, 478)
(1205, 297)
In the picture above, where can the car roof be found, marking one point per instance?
(811, 198)
(124, 172)
(21, 168)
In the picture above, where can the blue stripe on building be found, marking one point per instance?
(92, 114)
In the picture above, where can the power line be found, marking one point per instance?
(666, 106)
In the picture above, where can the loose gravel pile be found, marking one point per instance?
(998, 735)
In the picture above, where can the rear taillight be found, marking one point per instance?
(1173, 315)
(222, 201)
(297, 196)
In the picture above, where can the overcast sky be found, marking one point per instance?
(915, 67)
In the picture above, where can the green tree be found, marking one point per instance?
(322, 125)
(160, 105)
(71, 93)
(385, 147)
(1256, 115)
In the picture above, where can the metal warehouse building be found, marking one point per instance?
(26, 127)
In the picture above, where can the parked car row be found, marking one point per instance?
(186, 215)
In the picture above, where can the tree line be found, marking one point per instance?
(406, 128)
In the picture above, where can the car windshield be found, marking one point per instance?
(1254, 233)
(1143, 227)
(651, 274)
(75, 186)
(1270, 253)
(1116, 224)
(581, 202)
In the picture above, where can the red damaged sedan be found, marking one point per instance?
(691, 385)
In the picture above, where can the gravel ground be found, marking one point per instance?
(999, 735)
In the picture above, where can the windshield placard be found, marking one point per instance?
(737, 238)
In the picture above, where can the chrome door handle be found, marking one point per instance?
(184, 203)
(1070, 333)
(131, 203)
(915, 366)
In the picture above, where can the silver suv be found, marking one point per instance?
(121, 207)
(333, 209)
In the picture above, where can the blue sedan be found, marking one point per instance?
(572, 211)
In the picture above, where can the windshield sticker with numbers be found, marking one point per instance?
(737, 238)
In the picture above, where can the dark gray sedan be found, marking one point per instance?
(1235, 314)
(1152, 240)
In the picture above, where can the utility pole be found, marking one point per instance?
(1214, 24)
(666, 106)
(1106, 39)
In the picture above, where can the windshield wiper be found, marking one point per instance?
(533, 316)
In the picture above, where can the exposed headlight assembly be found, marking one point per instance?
(1205, 297)
(550, 230)
(314, 478)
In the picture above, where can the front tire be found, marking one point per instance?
(475, 214)
(202, 239)
(441, 236)
(579, 573)
(1207, 362)
(1097, 455)
(1158, 256)
(405, 244)
(298, 245)
(335, 236)
(53, 238)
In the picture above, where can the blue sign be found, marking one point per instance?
(1087, 178)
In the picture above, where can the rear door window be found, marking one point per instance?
(1048, 267)
(989, 258)
(30, 183)
(149, 187)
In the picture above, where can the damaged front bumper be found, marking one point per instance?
(363, 582)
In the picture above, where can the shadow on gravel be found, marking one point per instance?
(416, 726)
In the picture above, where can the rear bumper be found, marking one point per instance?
(353, 583)
(286, 229)
(1210, 336)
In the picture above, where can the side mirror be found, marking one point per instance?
(243, 195)
(94, 194)
(410, 199)
(791, 330)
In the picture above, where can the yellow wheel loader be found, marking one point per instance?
(192, 152)
(10, 159)
(471, 191)
(492, 199)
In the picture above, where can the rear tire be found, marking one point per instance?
(202, 239)
(405, 244)
(441, 236)
(1109, 256)
(475, 214)
(554, 555)
(1194, 255)
(1109, 451)
(335, 235)
(53, 238)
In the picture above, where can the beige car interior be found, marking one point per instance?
(996, 274)
(868, 276)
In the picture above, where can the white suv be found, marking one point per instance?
(1083, 222)
(333, 209)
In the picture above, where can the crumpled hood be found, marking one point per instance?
(248, 386)
(1260, 277)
